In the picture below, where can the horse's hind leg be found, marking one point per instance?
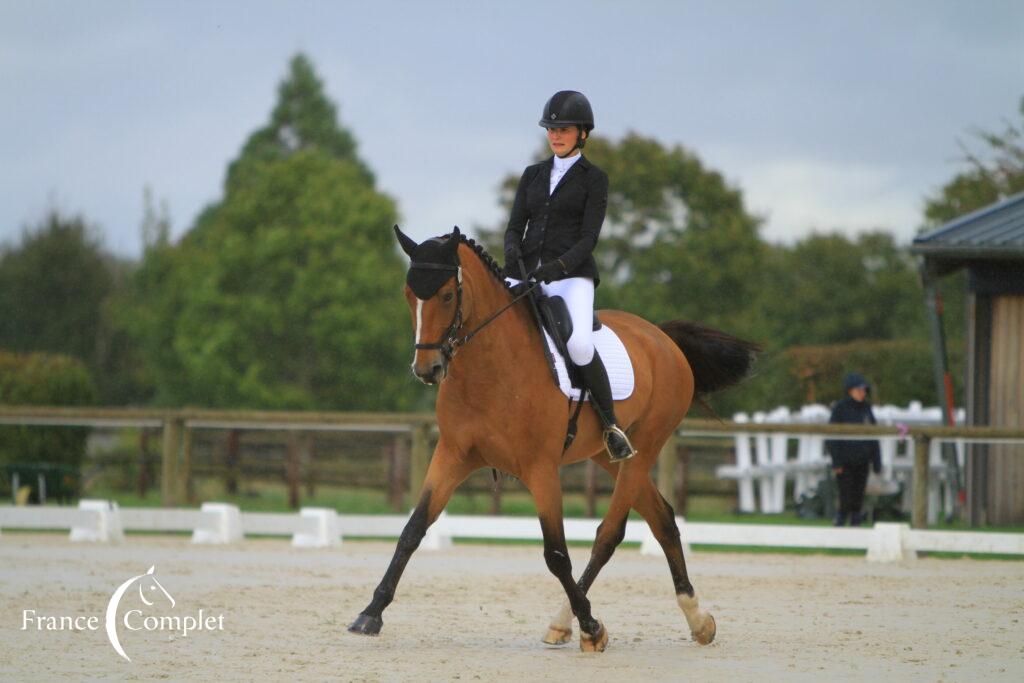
(659, 515)
(661, 518)
(447, 470)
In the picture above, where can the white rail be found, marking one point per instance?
(319, 527)
(764, 462)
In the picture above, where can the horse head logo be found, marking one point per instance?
(149, 590)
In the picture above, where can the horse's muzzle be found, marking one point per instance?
(431, 372)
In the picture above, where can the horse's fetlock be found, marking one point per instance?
(382, 595)
(685, 589)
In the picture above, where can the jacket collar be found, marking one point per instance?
(549, 166)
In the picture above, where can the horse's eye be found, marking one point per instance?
(447, 297)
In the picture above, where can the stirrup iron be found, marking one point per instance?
(623, 450)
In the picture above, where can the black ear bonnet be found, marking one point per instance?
(433, 263)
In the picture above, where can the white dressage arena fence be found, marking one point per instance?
(222, 523)
(768, 461)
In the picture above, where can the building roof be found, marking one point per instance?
(994, 232)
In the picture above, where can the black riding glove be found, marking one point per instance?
(548, 272)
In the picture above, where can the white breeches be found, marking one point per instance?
(578, 293)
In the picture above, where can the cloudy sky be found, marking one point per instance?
(828, 115)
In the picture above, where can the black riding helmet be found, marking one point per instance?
(568, 108)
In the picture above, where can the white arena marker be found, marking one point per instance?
(223, 525)
(107, 528)
(650, 545)
(438, 536)
(890, 543)
(324, 532)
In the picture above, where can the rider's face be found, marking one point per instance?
(562, 140)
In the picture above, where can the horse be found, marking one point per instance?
(497, 407)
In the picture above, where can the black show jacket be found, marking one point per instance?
(563, 225)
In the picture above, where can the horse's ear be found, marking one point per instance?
(453, 241)
(408, 244)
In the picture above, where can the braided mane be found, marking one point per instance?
(488, 260)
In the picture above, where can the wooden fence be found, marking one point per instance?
(178, 425)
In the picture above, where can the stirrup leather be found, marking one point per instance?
(615, 430)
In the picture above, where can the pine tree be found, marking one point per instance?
(287, 293)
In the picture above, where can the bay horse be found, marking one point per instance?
(498, 407)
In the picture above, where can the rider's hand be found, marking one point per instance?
(548, 272)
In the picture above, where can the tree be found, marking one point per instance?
(286, 294)
(993, 174)
(677, 241)
(51, 288)
(303, 118)
(830, 289)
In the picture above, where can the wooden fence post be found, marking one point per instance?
(169, 465)
(309, 463)
(292, 469)
(185, 489)
(145, 479)
(919, 520)
(683, 489)
(419, 460)
(231, 463)
(397, 486)
(496, 494)
(667, 471)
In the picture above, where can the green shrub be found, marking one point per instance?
(43, 379)
(899, 372)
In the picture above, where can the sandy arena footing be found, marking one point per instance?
(478, 612)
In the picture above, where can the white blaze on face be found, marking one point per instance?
(419, 318)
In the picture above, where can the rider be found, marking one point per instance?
(555, 222)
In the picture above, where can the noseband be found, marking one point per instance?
(450, 341)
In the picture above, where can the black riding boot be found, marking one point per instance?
(615, 440)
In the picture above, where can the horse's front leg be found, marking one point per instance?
(447, 470)
(610, 533)
(546, 489)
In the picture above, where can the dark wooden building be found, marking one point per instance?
(989, 244)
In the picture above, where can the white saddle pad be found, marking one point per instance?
(616, 362)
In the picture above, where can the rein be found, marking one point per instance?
(450, 341)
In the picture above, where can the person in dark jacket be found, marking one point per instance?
(851, 459)
(555, 222)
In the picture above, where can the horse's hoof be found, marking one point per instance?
(594, 643)
(558, 636)
(706, 633)
(366, 625)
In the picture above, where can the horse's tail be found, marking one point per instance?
(718, 360)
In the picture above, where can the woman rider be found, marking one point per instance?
(556, 219)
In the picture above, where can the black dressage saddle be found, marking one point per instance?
(554, 315)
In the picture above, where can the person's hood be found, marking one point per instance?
(854, 380)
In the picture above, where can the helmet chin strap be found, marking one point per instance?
(580, 141)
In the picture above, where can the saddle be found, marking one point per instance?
(554, 317)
